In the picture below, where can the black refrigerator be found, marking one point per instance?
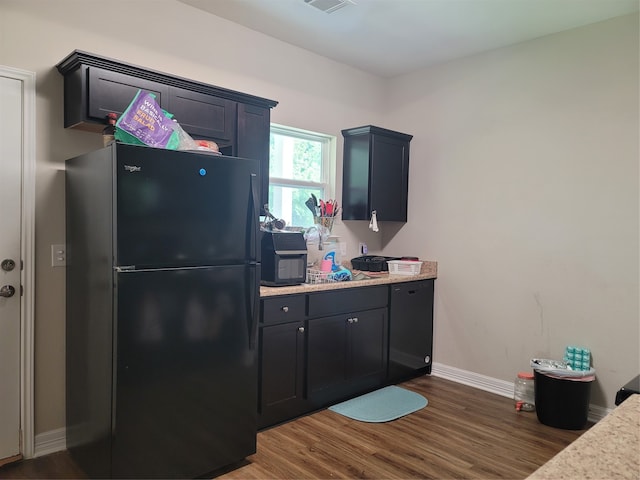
(163, 273)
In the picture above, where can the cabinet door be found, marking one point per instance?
(253, 141)
(326, 355)
(113, 92)
(368, 344)
(375, 174)
(204, 116)
(281, 372)
(347, 354)
(356, 173)
(410, 329)
(389, 178)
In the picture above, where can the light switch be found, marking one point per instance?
(58, 255)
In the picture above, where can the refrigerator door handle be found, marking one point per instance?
(253, 304)
(253, 220)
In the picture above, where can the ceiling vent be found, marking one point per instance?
(329, 6)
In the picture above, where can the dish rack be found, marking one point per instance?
(404, 267)
(317, 276)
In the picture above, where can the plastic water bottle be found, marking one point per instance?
(523, 392)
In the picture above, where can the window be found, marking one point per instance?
(300, 163)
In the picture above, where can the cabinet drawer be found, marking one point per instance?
(348, 300)
(283, 309)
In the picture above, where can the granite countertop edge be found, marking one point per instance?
(428, 270)
(610, 449)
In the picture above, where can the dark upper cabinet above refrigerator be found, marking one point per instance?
(375, 174)
(204, 116)
(108, 92)
(238, 122)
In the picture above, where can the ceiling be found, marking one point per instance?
(394, 37)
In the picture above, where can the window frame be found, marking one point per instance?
(328, 166)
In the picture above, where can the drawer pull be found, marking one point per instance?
(285, 309)
(301, 329)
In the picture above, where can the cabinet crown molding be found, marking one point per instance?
(370, 129)
(78, 58)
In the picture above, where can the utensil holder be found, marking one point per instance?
(326, 222)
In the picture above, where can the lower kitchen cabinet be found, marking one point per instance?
(282, 372)
(320, 348)
(347, 354)
(411, 329)
(282, 357)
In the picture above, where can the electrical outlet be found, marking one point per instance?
(362, 248)
(58, 255)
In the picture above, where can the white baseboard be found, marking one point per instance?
(494, 385)
(476, 380)
(55, 440)
(50, 442)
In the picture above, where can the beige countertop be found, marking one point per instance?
(428, 270)
(608, 450)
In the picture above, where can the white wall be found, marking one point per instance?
(314, 93)
(524, 188)
(550, 276)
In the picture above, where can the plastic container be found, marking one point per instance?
(523, 392)
(562, 402)
(404, 267)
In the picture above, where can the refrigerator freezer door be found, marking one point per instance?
(185, 396)
(184, 209)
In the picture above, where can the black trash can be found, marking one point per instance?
(562, 402)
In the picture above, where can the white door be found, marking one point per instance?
(12, 345)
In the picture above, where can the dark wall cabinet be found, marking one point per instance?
(411, 329)
(205, 116)
(239, 123)
(375, 174)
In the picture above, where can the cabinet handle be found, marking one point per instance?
(349, 320)
(301, 329)
(355, 319)
(285, 309)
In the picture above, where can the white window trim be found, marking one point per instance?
(328, 180)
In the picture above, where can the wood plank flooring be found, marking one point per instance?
(463, 433)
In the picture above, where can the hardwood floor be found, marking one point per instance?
(463, 433)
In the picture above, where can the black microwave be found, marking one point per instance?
(284, 258)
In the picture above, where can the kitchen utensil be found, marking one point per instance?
(311, 205)
(276, 223)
